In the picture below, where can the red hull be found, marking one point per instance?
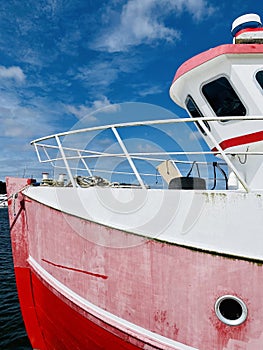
(167, 290)
(63, 326)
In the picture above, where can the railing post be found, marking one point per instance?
(37, 152)
(65, 161)
(84, 163)
(225, 157)
(123, 147)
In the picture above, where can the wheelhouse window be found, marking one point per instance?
(223, 99)
(195, 113)
(259, 77)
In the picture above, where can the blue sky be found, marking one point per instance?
(60, 60)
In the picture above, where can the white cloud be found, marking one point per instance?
(99, 74)
(146, 90)
(137, 24)
(87, 111)
(20, 121)
(199, 8)
(15, 73)
(143, 22)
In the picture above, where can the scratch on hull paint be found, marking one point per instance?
(74, 269)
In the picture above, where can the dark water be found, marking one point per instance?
(12, 331)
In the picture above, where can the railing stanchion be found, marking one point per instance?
(225, 157)
(84, 163)
(65, 161)
(123, 147)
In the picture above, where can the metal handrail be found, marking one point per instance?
(149, 122)
(84, 154)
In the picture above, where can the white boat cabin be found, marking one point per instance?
(227, 81)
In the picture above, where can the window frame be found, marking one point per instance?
(233, 89)
(257, 82)
(200, 114)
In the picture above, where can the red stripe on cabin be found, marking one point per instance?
(240, 140)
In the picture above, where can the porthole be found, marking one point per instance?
(231, 310)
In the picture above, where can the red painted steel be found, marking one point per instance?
(215, 52)
(65, 326)
(248, 30)
(19, 240)
(164, 288)
(240, 140)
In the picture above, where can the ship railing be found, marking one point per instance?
(55, 149)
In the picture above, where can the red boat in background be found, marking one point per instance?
(152, 248)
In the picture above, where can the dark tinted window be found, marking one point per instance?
(259, 77)
(195, 112)
(223, 98)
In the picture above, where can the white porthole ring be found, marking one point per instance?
(231, 310)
